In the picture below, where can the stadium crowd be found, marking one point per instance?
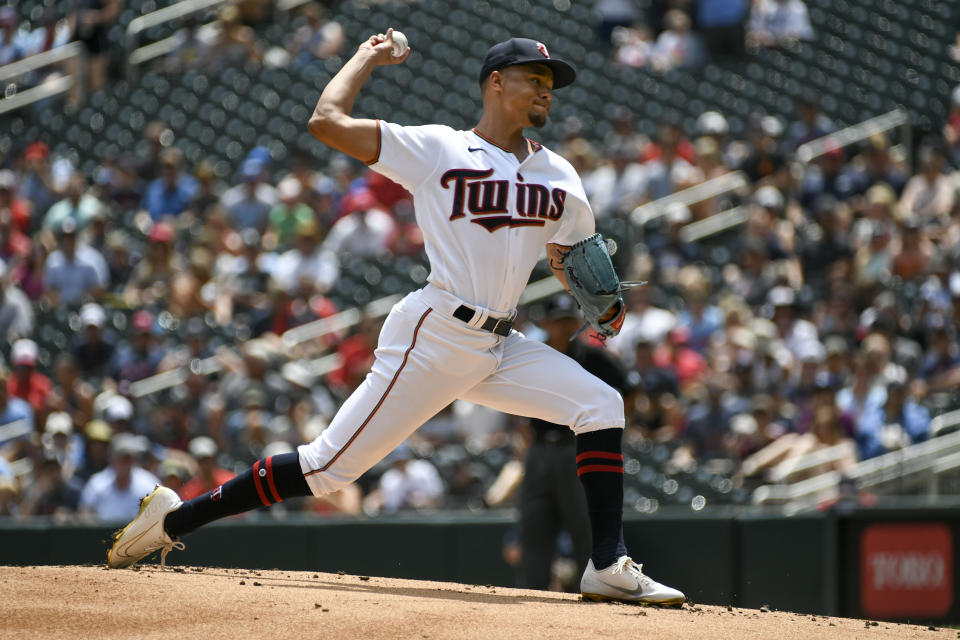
(143, 307)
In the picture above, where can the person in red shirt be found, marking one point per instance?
(26, 382)
(18, 207)
(209, 476)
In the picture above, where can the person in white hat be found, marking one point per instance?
(25, 381)
(209, 475)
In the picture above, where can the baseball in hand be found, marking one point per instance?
(399, 44)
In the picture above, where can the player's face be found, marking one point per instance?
(528, 90)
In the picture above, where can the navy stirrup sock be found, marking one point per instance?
(600, 467)
(268, 482)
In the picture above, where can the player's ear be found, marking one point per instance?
(495, 81)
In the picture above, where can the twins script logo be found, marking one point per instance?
(487, 200)
(216, 494)
(543, 49)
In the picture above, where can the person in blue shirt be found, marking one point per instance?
(12, 409)
(877, 430)
(171, 193)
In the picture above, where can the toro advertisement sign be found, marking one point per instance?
(906, 570)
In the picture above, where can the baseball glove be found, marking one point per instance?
(595, 285)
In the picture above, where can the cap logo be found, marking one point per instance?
(542, 48)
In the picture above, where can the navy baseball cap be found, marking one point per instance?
(523, 51)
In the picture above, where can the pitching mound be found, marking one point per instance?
(93, 602)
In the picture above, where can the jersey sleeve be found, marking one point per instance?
(577, 222)
(408, 155)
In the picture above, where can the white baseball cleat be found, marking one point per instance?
(145, 533)
(624, 581)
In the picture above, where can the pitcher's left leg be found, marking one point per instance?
(537, 381)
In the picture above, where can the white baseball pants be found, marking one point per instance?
(426, 359)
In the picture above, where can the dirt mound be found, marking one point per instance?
(185, 602)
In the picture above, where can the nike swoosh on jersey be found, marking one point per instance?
(475, 149)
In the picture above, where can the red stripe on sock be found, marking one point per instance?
(256, 483)
(593, 468)
(273, 487)
(605, 455)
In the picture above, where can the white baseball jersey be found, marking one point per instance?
(486, 218)
(485, 215)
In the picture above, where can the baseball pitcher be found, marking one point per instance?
(488, 201)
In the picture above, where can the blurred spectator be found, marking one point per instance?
(940, 367)
(16, 313)
(763, 159)
(668, 162)
(612, 14)
(150, 281)
(14, 208)
(72, 393)
(25, 381)
(930, 194)
(951, 128)
(316, 38)
(14, 42)
(677, 47)
(94, 19)
(721, 26)
(79, 205)
(616, 187)
(912, 261)
(708, 422)
(74, 271)
(633, 45)
(114, 494)
(249, 203)
(190, 49)
(60, 441)
(13, 443)
(410, 483)
(51, 32)
(91, 348)
(172, 192)
(209, 475)
(291, 211)
(308, 266)
(234, 44)
(118, 413)
(37, 184)
(51, 492)
(810, 124)
(138, 359)
(9, 498)
(777, 23)
(364, 232)
(898, 423)
(796, 332)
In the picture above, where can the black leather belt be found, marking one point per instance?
(501, 327)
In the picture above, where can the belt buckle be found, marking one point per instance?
(502, 332)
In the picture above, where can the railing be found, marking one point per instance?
(717, 223)
(919, 464)
(857, 133)
(69, 51)
(698, 193)
(137, 55)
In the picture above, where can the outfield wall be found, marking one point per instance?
(878, 564)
